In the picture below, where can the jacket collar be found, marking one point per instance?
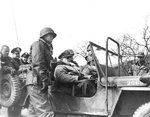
(48, 44)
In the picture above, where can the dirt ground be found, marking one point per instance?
(3, 112)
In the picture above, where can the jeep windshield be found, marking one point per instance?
(114, 70)
(99, 54)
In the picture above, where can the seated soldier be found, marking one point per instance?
(141, 59)
(89, 68)
(139, 67)
(16, 58)
(67, 73)
(6, 61)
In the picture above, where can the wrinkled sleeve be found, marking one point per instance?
(7, 66)
(63, 76)
(38, 61)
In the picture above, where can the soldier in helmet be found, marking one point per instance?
(39, 77)
(143, 64)
(141, 59)
(16, 58)
(139, 67)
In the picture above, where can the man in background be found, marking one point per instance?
(24, 58)
(16, 58)
(6, 61)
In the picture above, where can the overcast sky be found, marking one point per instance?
(74, 21)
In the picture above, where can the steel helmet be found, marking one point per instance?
(46, 31)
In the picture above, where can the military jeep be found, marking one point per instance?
(117, 94)
(13, 92)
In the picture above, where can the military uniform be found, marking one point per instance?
(6, 64)
(139, 68)
(16, 63)
(16, 60)
(24, 58)
(89, 68)
(39, 77)
(66, 74)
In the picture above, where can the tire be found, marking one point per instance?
(143, 111)
(10, 90)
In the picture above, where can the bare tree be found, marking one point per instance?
(146, 39)
(128, 49)
(81, 49)
(128, 46)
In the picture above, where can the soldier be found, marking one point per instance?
(16, 58)
(6, 61)
(89, 68)
(143, 64)
(141, 59)
(66, 73)
(25, 63)
(39, 78)
(24, 58)
(139, 67)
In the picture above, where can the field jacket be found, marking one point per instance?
(6, 64)
(65, 76)
(41, 56)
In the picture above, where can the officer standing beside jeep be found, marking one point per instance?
(39, 77)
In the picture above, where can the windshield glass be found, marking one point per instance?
(113, 69)
(101, 56)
